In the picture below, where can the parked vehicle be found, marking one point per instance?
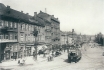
(74, 55)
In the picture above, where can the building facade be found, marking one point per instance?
(16, 33)
(68, 37)
(52, 29)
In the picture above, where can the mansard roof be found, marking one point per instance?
(11, 14)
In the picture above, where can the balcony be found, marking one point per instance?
(55, 38)
(48, 30)
(5, 30)
(7, 40)
(41, 42)
(12, 30)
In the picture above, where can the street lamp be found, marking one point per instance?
(0, 53)
(72, 35)
(35, 33)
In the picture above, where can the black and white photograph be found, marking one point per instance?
(51, 34)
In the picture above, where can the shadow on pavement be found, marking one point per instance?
(66, 60)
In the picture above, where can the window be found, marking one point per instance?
(11, 36)
(26, 26)
(0, 36)
(23, 26)
(15, 25)
(21, 37)
(29, 28)
(39, 30)
(1, 23)
(15, 37)
(6, 23)
(6, 36)
(11, 24)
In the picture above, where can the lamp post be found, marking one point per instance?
(103, 39)
(67, 43)
(0, 53)
(35, 33)
(72, 35)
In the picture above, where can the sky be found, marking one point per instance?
(84, 16)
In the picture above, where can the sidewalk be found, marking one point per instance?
(28, 60)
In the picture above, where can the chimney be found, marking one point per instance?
(52, 15)
(27, 13)
(40, 11)
(21, 11)
(35, 14)
(8, 7)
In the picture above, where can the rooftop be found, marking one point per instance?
(8, 13)
(48, 17)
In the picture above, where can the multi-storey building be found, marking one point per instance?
(65, 38)
(68, 37)
(16, 33)
(52, 29)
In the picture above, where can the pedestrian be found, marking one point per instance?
(18, 61)
(44, 55)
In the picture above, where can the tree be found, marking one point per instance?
(99, 38)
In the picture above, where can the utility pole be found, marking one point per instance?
(67, 43)
(35, 33)
(0, 52)
(72, 35)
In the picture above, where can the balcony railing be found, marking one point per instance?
(55, 38)
(48, 30)
(12, 30)
(7, 40)
(5, 30)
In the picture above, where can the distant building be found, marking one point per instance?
(68, 37)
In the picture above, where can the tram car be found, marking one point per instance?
(74, 55)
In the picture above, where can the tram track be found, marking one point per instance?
(94, 60)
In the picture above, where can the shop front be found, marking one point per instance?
(21, 50)
(7, 54)
(29, 49)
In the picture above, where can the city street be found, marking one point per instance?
(92, 59)
(51, 35)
